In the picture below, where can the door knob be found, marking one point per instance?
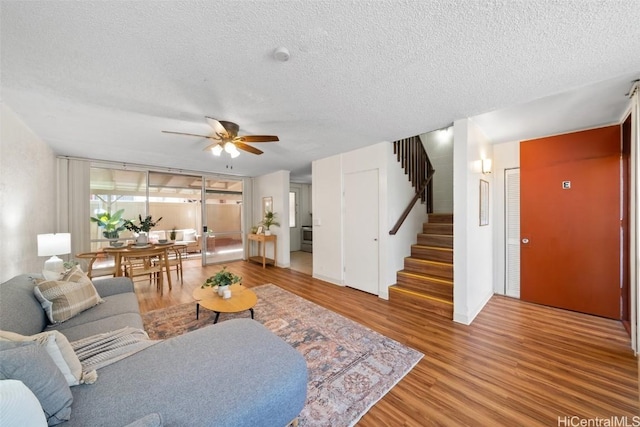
(525, 241)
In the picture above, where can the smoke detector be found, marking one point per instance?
(281, 54)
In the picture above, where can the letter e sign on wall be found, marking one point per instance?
(566, 185)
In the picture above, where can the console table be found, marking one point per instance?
(262, 243)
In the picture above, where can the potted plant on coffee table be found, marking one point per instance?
(222, 280)
(141, 230)
(111, 224)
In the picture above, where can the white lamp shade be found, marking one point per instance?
(54, 244)
(217, 150)
(229, 147)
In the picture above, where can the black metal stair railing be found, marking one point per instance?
(416, 163)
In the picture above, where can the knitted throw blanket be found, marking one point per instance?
(98, 351)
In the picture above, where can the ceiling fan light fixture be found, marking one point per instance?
(225, 138)
(229, 147)
(217, 150)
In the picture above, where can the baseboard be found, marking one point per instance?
(467, 318)
(327, 279)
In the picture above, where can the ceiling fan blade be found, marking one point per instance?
(242, 146)
(258, 138)
(217, 127)
(191, 134)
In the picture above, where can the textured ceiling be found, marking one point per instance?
(102, 79)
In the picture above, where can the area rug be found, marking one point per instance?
(350, 366)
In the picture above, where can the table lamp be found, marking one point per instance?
(52, 245)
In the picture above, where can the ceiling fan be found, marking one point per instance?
(225, 135)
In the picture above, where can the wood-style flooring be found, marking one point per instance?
(302, 262)
(518, 364)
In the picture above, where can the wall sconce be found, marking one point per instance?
(486, 166)
(52, 245)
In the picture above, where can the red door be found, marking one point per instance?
(570, 221)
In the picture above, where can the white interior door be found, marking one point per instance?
(361, 258)
(512, 232)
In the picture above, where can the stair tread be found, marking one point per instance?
(428, 261)
(420, 294)
(433, 289)
(426, 277)
(437, 248)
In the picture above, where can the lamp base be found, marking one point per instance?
(53, 268)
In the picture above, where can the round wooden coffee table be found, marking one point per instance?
(241, 299)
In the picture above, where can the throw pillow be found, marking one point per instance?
(58, 347)
(189, 236)
(63, 299)
(29, 362)
(19, 406)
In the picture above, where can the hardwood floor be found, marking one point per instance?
(302, 262)
(518, 364)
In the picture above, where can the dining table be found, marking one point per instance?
(149, 250)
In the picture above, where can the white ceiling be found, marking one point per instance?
(100, 79)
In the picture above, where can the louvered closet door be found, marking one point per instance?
(512, 232)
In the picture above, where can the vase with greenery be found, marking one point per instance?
(268, 221)
(111, 224)
(222, 279)
(142, 228)
(173, 234)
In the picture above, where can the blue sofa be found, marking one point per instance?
(236, 373)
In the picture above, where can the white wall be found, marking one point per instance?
(328, 219)
(505, 156)
(473, 244)
(276, 186)
(28, 201)
(439, 147)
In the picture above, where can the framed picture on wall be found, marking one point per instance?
(484, 202)
(267, 205)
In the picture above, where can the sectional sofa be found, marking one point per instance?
(236, 373)
(189, 237)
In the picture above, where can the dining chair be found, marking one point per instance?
(105, 266)
(143, 262)
(175, 262)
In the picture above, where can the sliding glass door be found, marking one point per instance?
(177, 200)
(211, 230)
(112, 190)
(222, 213)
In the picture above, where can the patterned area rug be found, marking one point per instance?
(350, 366)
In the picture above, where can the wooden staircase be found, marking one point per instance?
(427, 279)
